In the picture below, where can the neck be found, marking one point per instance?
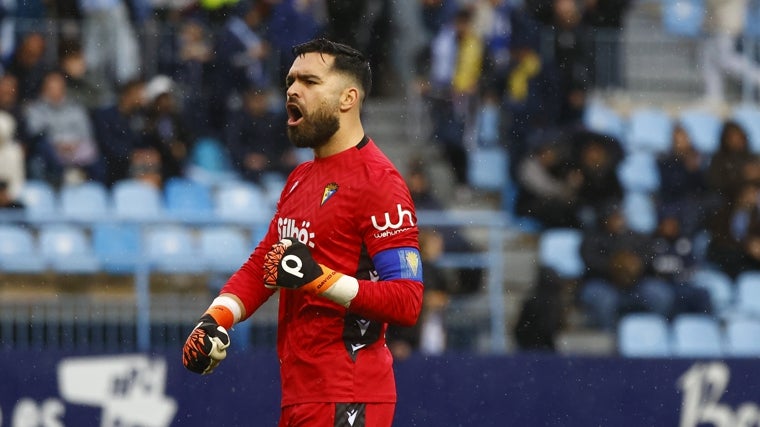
(346, 137)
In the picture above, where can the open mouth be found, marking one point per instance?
(295, 116)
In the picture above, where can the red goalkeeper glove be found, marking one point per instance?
(206, 346)
(289, 265)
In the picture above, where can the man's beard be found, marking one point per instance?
(315, 130)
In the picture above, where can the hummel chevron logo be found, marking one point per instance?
(352, 416)
(355, 347)
(363, 325)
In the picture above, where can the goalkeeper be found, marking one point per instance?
(341, 251)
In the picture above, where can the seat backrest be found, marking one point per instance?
(643, 335)
(63, 240)
(187, 197)
(116, 240)
(601, 118)
(39, 198)
(242, 201)
(743, 337)
(88, 200)
(638, 172)
(718, 284)
(697, 335)
(172, 240)
(559, 249)
(649, 129)
(134, 199)
(16, 240)
(640, 211)
(224, 247)
(748, 292)
(683, 17)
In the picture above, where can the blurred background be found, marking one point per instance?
(586, 175)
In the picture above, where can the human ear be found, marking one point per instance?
(349, 98)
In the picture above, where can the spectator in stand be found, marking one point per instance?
(83, 86)
(673, 262)
(166, 130)
(734, 230)
(456, 61)
(571, 57)
(9, 103)
(292, 22)
(733, 164)
(617, 278)
(109, 41)
(66, 143)
(12, 164)
(683, 183)
(604, 19)
(120, 128)
(241, 55)
(29, 66)
(257, 145)
(548, 188)
(596, 158)
(192, 71)
(146, 165)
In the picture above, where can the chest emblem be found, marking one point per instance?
(330, 190)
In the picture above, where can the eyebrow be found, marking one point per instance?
(290, 78)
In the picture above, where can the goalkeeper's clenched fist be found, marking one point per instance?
(289, 264)
(206, 346)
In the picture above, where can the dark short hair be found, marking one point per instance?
(347, 59)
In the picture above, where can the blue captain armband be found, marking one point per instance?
(399, 263)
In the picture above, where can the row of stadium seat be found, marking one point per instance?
(688, 335)
(649, 129)
(121, 247)
(130, 199)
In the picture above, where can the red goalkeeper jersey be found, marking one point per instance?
(353, 210)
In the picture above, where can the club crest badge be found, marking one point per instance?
(330, 189)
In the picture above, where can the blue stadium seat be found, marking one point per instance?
(743, 337)
(67, 248)
(748, 116)
(718, 284)
(173, 249)
(209, 162)
(118, 246)
(242, 201)
(559, 249)
(136, 200)
(600, 118)
(40, 200)
(747, 300)
(186, 198)
(640, 211)
(224, 248)
(85, 201)
(643, 335)
(683, 17)
(488, 168)
(697, 335)
(638, 172)
(649, 129)
(703, 128)
(18, 250)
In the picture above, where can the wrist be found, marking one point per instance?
(225, 311)
(334, 286)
